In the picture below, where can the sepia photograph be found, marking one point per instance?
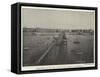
(57, 38)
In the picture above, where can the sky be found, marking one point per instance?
(33, 17)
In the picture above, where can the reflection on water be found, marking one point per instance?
(75, 49)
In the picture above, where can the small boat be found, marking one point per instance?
(76, 42)
(26, 48)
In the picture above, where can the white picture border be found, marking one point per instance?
(44, 67)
